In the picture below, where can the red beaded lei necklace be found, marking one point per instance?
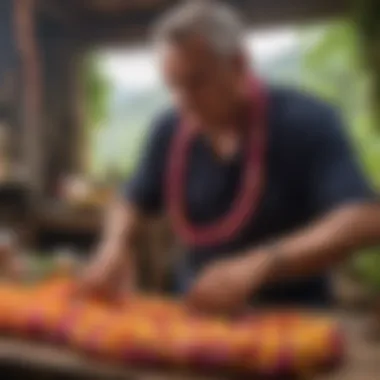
(251, 186)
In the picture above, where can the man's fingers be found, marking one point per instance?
(211, 301)
(103, 289)
(197, 300)
(221, 302)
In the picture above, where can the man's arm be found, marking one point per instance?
(325, 242)
(122, 228)
(336, 189)
(310, 250)
(113, 268)
(346, 208)
(140, 197)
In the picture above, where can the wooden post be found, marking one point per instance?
(31, 73)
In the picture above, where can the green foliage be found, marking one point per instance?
(368, 24)
(97, 90)
(367, 268)
(333, 68)
(367, 18)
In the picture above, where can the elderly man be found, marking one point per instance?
(260, 183)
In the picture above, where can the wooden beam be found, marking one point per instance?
(133, 26)
(259, 13)
(256, 12)
(57, 12)
(115, 6)
(86, 10)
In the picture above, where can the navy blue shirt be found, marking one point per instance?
(310, 170)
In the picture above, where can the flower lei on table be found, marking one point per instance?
(153, 331)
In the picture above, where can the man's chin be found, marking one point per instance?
(210, 122)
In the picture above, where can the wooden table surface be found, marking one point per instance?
(362, 362)
(363, 351)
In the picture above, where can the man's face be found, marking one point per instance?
(204, 85)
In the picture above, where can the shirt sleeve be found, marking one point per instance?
(145, 187)
(335, 175)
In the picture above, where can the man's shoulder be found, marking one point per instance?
(300, 112)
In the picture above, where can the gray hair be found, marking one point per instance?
(216, 22)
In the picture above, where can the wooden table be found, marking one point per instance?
(363, 351)
(363, 359)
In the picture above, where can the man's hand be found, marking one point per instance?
(112, 271)
(225, 286)
(109, 275)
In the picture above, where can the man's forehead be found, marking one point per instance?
(192, 48)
